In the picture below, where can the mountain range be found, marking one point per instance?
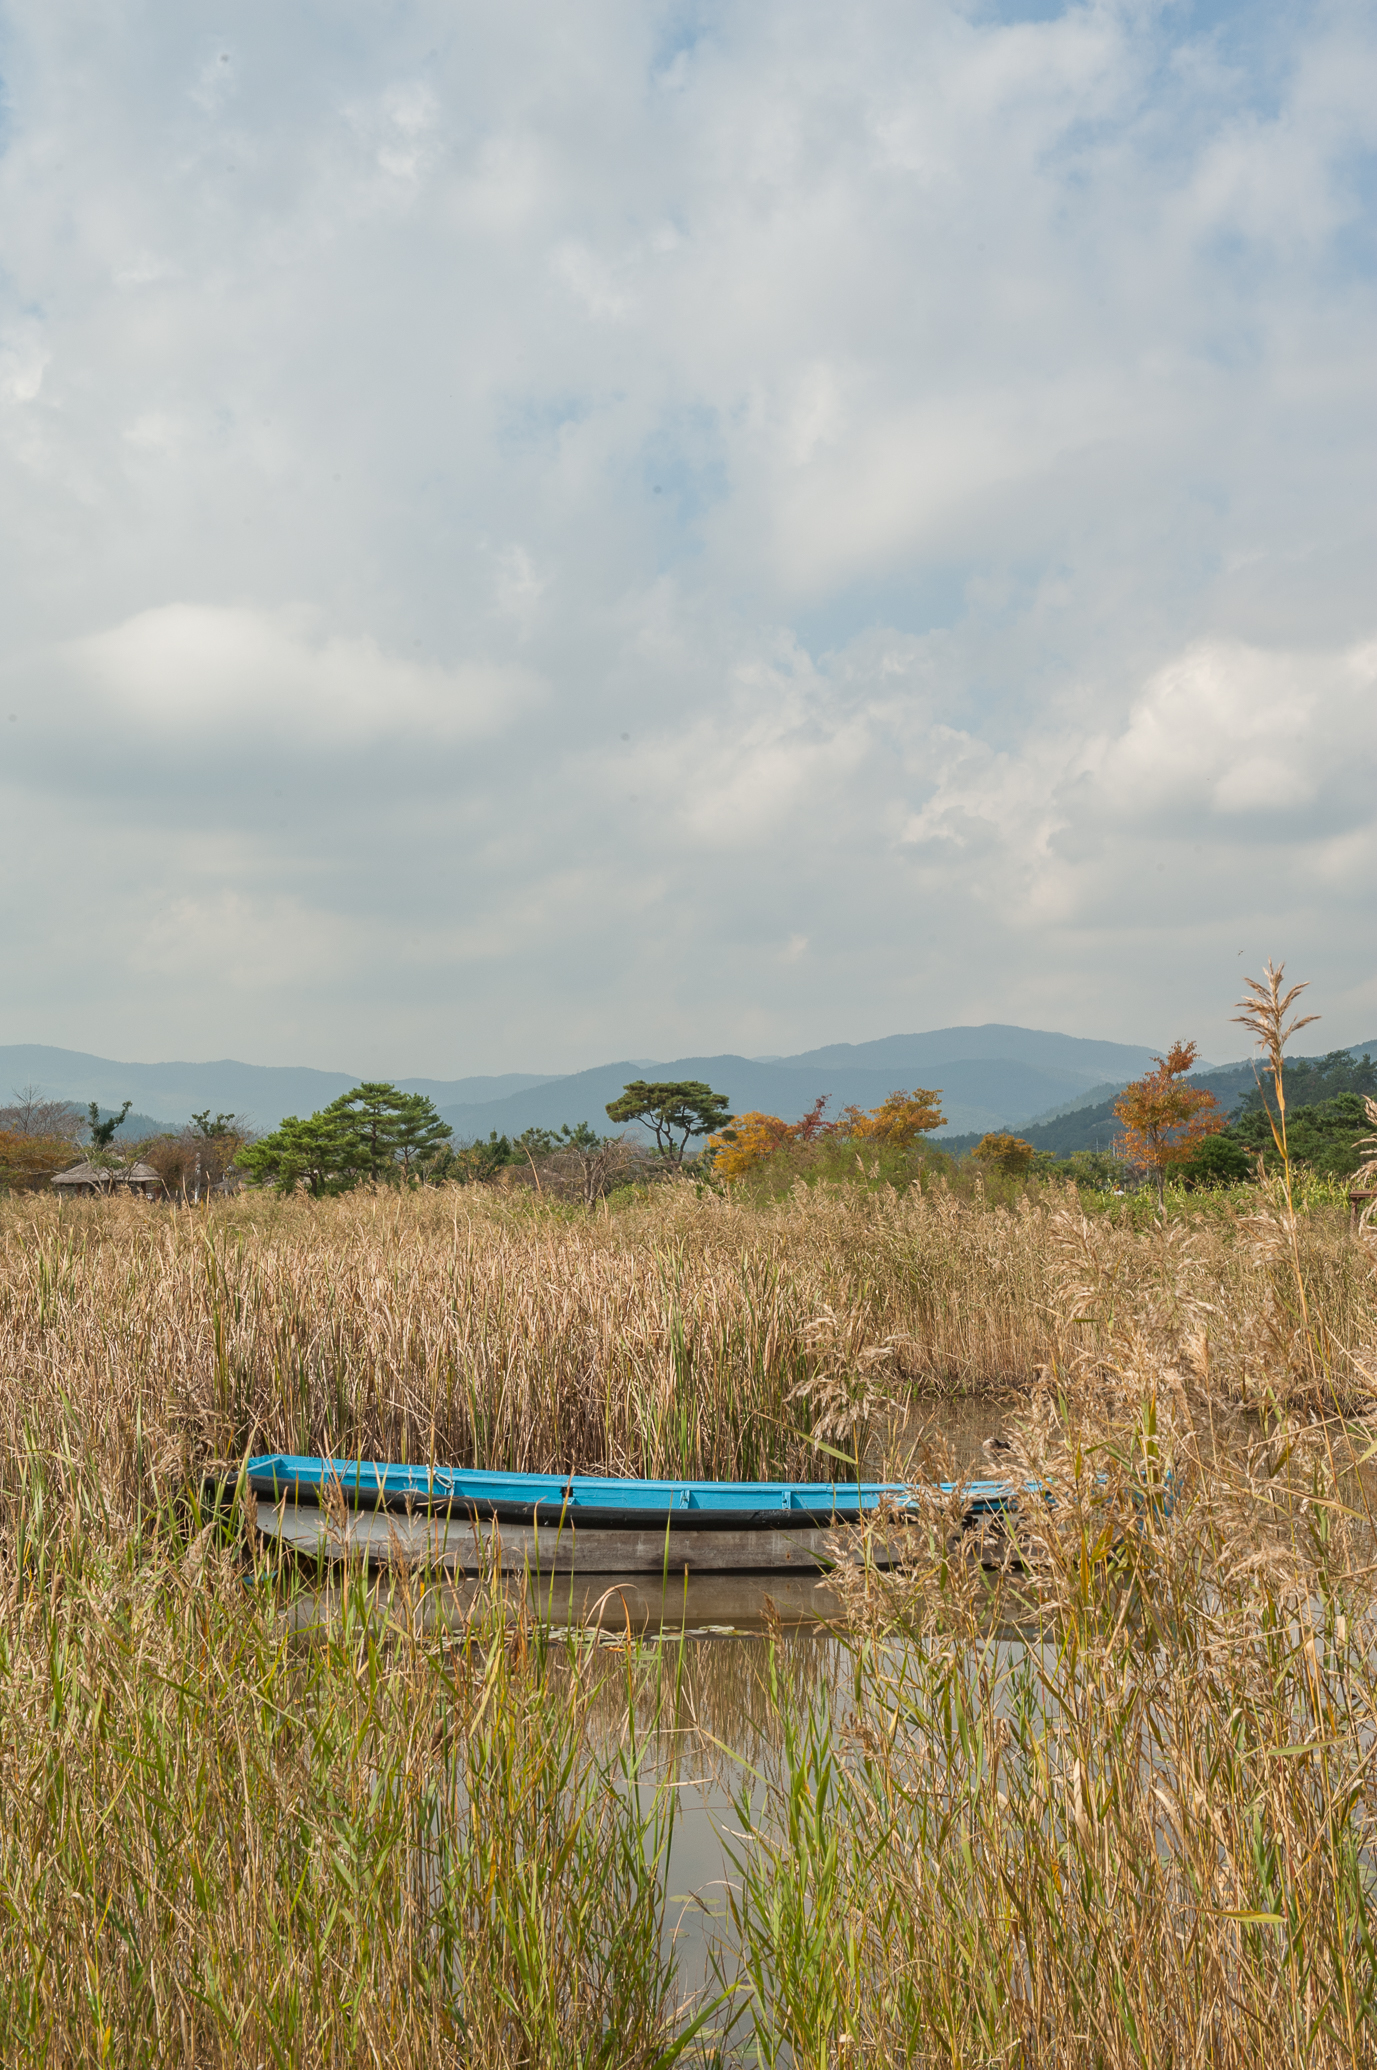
(992, 1076)
(988, 1076)
(173, 1092)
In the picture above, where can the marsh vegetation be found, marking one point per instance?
(1105, 1799)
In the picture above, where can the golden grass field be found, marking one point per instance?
(686, 1332)
(1111, 1807)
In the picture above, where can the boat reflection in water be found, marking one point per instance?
(696, 1606)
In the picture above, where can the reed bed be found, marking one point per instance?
(1111, 1807)
(226, 1844)
(685, 1334)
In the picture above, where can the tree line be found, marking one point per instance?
(377, 1135)
(374, 1134)
(1313, 1112)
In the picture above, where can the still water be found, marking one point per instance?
(694, 1646)
(691, 1657)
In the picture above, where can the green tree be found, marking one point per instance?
(373, 1134)
(103, 1133)
(543, 1142)
(1325, 1136)
(223, 1125)
(1313, 1081)
(1095, 1168)
(580, 1137)
(296, 1153)
(1220, 1160)
(382, 1130)
(672, 1111)
(481, 1161)
(472, 1163)
(366, 1122)
(419, 1131)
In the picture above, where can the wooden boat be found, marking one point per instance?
(466, 1521)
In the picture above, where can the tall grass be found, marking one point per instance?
(223, 1843)
(683, 1335)
(1116, 1808)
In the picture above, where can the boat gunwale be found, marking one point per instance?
(868, 1500)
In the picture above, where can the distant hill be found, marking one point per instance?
(135, 1128)
(1092, 1125)
(983, 1093)
(1086, 1061)
(994, 1076)
(1081, 1128)
(988, 1076)
(175, 1091)
(1108, 1091)
(1311, 1081)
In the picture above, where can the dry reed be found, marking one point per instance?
(1144, 1838)
(1112, 1808)
(222, 1846)
(684, 1335)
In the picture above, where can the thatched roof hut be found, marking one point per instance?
(90, 1179)
(140, 1178)
(83, 1178)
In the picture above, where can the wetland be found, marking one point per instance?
(1098, 1794)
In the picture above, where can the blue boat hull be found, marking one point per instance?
(466, 1521)
(593, 1502)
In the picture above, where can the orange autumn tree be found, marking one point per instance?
(896, 1121)
(1164, 1118)
(28, 1162)
(754, 1137)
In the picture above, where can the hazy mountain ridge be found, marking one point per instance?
(992, 1076)
(976, 1093)
(1093, 1124)
(988, 1076)
(1081, 1056)
(174, 1091)
(1109, 1090)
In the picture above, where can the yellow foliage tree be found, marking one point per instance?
(1010, 1153)
(897, 1120)
(754, 1137)
(750, 1139)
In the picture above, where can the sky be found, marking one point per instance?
(547, 533)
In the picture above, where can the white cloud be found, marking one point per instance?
(22, 363)
(1230, 730)
(193, 669)
(1237, 771)
(517, 586)
(942, 446)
